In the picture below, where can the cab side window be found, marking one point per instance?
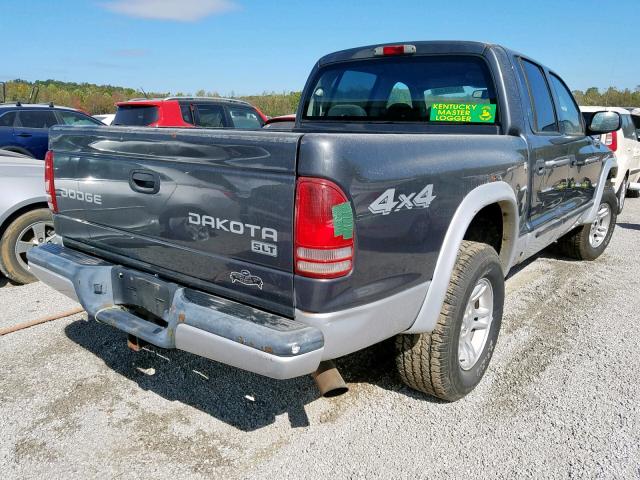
(628, 128)
(210, 116)
(37, 118)
(541, 101)
(75, 118)
(568, 113)
(244, 118)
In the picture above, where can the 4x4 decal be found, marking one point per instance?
(386, 203)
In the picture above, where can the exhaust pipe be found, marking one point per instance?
(328, 380)
(134, 343)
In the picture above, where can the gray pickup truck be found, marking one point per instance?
(416, 176)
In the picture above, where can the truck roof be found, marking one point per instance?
(422, 47)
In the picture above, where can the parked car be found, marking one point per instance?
(416, 177)
(24, 128)
(25, 219)
(189, 112)
(283, 122)
(626, 145)
(635, 116)
(106, 118)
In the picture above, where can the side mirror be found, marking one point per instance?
(604, 122)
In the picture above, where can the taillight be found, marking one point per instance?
(611, 141)
(49, 184)
(390, 50)
(323, 230)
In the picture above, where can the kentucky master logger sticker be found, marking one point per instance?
(386, 203)
(463, 113)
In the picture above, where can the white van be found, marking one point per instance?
(626, 145)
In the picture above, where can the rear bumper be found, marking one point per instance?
(178, 317)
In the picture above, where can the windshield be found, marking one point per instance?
(431, 89)
(136, 115)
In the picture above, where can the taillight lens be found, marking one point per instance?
(323, 230)
(611, 141)
(49, 184)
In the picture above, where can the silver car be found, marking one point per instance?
(25, 219)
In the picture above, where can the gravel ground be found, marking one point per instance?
(560, 399)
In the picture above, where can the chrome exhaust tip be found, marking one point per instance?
(328, 380)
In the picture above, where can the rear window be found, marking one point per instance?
(136, 115)
(438, 89)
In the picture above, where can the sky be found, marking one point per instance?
(251, 46)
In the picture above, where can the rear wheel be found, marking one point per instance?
(589, 241)
(450, 361)
(24, 233)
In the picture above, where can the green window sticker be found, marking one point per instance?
(342, 220)
(463, 112)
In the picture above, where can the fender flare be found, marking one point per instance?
(18, 149)
(496, 192)
(609, 164)
(27, 204)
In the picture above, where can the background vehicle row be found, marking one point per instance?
(625, 143)
(24, 128)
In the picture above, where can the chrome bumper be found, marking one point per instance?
(178, 317)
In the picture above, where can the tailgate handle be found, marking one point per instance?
(144, 181)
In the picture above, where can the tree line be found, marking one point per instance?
(611, 97)
(97, 99)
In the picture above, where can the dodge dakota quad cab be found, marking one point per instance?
(415, 177)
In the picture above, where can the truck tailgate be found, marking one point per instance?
(208, 207)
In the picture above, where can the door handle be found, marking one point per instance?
(24, 135)
(144, 181)
(556, 163)
(588, 161)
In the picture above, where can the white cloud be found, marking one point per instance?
(180, 10)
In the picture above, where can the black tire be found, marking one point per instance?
(577, 245)
(633, 193)
(622, 194)
(10, 265)
(430, 362)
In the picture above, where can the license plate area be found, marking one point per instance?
(142, 292)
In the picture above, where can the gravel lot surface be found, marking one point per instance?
(560, 399)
